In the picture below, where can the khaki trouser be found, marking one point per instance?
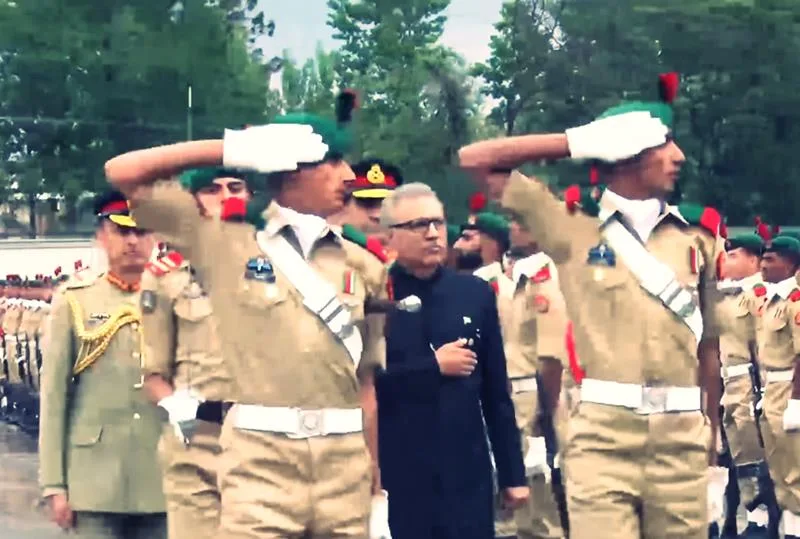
(11, 354)
(539, 517)
(190, 482)
(89, 525)
(782, 448)
(635, 476)
(276, 487)
(741, 431)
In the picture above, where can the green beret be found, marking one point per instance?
(752, 243)
(453, 233)
(199, 178)
(784, 245)
(494, 226)
(795, 235)
(338, 138)
(668, 89)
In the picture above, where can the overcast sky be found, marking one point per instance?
(300, 25)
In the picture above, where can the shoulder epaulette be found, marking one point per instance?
(81, 279)
(705, 217)
(585, 199)
(795, 295)
(165, 264)
(370, 243)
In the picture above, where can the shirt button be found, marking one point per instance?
(137, 416)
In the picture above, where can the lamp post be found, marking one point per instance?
(177, 14)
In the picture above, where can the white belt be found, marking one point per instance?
(297, 423)
(641, 399)
(780, 376)
(734, 371)
(525, 384)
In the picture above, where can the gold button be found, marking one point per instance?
(137, 416)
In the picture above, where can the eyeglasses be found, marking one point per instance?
(421, 225)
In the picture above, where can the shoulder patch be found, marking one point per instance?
(165, 264)
(370, 243)
(585, 199)
(760, 290)
(705, 217)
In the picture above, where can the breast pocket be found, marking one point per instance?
(603, 288)
(259, 295)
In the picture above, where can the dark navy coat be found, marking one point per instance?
(434, 457)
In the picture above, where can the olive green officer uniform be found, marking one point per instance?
(98, 434)
(777, 307)
(294, 458)
(623, 449)
(737, 339)
(181, 345)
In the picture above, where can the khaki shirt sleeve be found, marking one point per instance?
(710, 296)
(541, 212)
(158, 328)
(374, 355)
(172, 212)
(552, 322)
(55, 388)
(793, 313)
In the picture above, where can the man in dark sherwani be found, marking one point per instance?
(445, 387)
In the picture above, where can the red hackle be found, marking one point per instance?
(668, 84)
(762, 229)
(477, 202)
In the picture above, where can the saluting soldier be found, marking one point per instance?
(533, 331)
(777, 308)
(289, 294)
(639, 278)
(183, 359)
(738, 353)
(98, 466)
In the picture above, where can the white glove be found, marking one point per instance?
(791, 417)
(616, 138)
(182, 409)
(536, 458)
(717, 482)
(379, 518)
(272, 148)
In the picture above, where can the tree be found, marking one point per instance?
(311, 87)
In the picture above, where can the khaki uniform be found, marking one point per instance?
(280, 474)
(98, 434)
(182, 346)
(11, 324)
(778, 333)
(737, 337)
(631, 472)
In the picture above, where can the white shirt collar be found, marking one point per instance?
(642, 215)
(306, 227)
(783, 288)
(528, 266)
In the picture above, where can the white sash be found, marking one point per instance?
(654, 276)
(319, 296)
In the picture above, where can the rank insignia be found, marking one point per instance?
(542, 275)
(349, 284)
(260, 269)
(694, 260)
(99, 317)
(495, 285)
(148, 301)
(601, 255)
(541, 304)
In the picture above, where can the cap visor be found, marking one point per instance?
(122, 220)
(372, 193)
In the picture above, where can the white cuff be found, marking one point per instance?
(579, 141)
(235, 150)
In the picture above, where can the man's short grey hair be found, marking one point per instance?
(404, 192)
